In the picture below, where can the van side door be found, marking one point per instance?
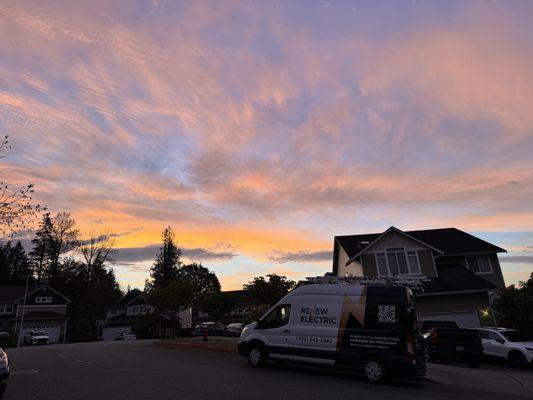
(315, 329)
(275, 328)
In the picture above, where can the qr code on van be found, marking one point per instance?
(386, 314)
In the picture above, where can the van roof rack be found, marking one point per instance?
(414, 282)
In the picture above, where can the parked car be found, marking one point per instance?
(515, 346)
(4, 370)
(234, 329)
(370, 328)
(445, 341)
(36, 337)
(124, 335)
(211, 331)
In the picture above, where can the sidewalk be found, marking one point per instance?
(503, 380)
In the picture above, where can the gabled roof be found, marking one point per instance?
(456, 278)
(129, 297)
(448, 240)
(12, 294)
(37, 288)
(394, 229)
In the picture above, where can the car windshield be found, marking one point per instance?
(517, 336)
(38, 332)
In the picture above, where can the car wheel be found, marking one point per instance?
(374, 370)
(256, 356)
(517, 359)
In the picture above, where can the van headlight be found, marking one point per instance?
(244, 330)
(3, 359)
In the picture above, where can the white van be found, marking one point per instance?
(368, 327)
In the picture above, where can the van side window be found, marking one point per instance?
(278, 317)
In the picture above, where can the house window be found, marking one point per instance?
(6, 308)
(479, 264)
(396, 261)
(43, 300)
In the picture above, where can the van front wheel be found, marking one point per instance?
(256, 356)
(374, 370)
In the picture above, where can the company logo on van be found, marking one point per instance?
(317, 315)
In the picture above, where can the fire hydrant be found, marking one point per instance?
(205, 334)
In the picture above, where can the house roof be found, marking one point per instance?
(448, 240)
(129, 297)
(43, 315)
(238, 296)
(455, 278)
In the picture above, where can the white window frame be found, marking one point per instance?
(491, 271)
(405, 251)
(43, 299)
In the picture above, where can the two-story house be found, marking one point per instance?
(241, 311)
(119, 316)
(44, 308)
(463, 271)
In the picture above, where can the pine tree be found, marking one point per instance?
(14, 265)
(40, 254)
(20, 265)
(165, 268)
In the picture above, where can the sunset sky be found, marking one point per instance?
(259, 130)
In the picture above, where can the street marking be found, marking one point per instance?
(24, 372)
(75, 359)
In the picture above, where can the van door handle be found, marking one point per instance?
(287, 331)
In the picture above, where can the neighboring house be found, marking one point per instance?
(45, 309)
(119, 316)
(241, 312)
(464, 271)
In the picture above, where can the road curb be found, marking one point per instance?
(197, 346)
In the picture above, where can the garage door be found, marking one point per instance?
(464, 319)
(52, 329)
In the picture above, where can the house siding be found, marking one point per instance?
(369, 265)
(427, 263)
(355, 268)
(496, 278)
(394, 239)
(457, 302)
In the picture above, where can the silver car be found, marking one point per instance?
(4, 371)
(234, 329)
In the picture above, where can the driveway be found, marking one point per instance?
(141, 370)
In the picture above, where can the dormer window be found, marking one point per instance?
(479, 264)
(43, 300)
(397, 261)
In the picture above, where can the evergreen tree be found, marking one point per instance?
(42, 243)
(14, 265)
(165, 268)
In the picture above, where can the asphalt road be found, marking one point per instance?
(140, 370)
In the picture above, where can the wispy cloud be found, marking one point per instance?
(300, 256)
(262, 124)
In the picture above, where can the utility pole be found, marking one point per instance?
(23, 311)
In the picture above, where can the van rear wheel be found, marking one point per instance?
(374, 370)
(256, 356)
